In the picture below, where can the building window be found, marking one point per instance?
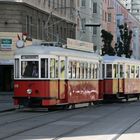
(29, 25)
(61, 7)
(65, 5)
(94, 30)
(94, 7)
(83, 22)
(105, 16)
(83, 3)
(38, 28)
(49, 3)
(78, 3)
(53, 4)
(109, 17)
(118, 22)
(43, 29)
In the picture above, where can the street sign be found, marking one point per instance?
(5, 44)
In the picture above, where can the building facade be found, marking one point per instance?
(35, 20)
(133, 6)
(89, 21)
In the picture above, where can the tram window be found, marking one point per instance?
(77, 70)
(95, 71)
(103, 70)
(62, 69)
(127, 71)
(132, 71)
(109, 70)
(16, 68)
(115, 71)
(74, 70)
(70, 69)
(82, 70)
(29, 69)
(92, 71)
(52, 68)
(86, 70)
(44, 68)
(89, 71)
(137, 72)
(121, 71)
(56, 68)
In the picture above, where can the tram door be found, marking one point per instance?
(62, 82)
(121, 79)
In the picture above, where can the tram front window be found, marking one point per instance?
(29, 69)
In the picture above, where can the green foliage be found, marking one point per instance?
(107, 38)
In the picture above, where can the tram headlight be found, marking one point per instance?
(29, 91)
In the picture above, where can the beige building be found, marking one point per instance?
(36, 20)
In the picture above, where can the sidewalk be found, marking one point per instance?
(6, 101)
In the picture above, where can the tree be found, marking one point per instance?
(107, 38)
(123, 46)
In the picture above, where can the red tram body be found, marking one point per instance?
(68, 77)
(71, 77)
(124, 78)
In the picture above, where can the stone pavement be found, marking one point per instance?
(6, 101)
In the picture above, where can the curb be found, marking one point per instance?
(7, 110)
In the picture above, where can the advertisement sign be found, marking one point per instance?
(79, 45)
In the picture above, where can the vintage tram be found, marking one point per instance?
(48, 75)
(121, 77)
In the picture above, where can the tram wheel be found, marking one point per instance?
(66, 107)
(73, 106)
(138, 97)
(90, 104)
(126, 97)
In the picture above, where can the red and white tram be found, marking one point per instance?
(121, 77)
(48, 75)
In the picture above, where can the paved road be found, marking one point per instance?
(119, 121)
(6, 101)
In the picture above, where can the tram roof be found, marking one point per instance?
(116, 59)
(51, 50)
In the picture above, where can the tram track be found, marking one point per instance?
(42, 124)
(18, 113)
(67, 115)
(86, 125)
(133, 123)
(127, 128)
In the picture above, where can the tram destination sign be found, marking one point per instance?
(5, 44)
(79, 45)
